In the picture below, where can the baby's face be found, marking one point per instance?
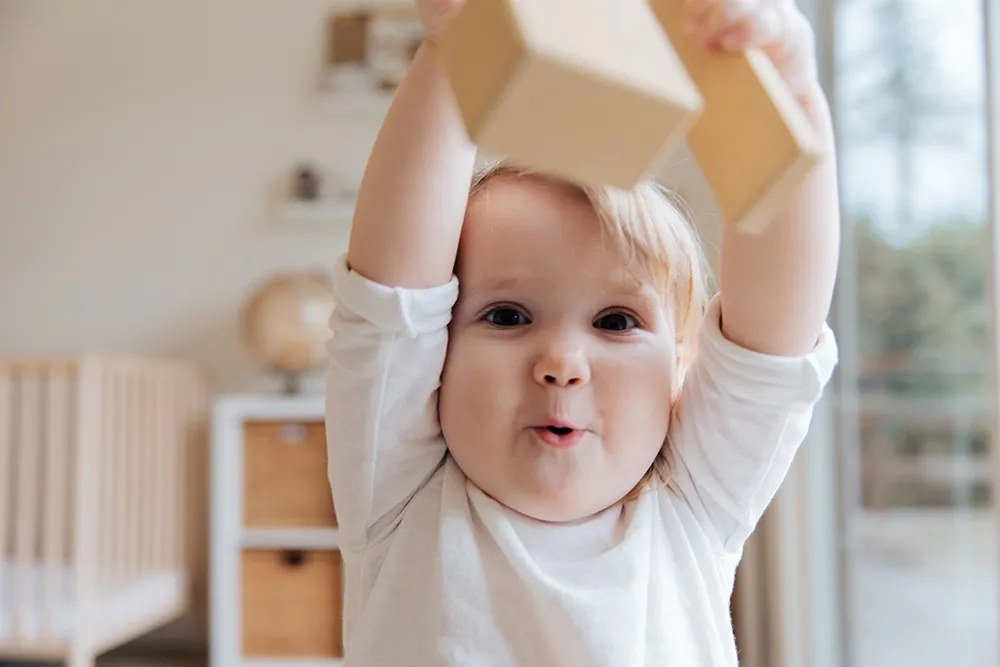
(556, 391)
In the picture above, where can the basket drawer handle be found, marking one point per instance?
(293, 557)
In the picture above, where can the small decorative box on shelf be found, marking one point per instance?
(277, 586)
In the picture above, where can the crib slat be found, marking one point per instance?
(159, 438)
(162, 440)
(183, 468)
(122, 477)
(120, 480)
(56, 505)
(172, 472)
(88, 479)
(184, 462)
(153, 435)
(132, 480)
(167, 473)
(147, 523)
(6, 473)
(135, 446)
(28, 450)
(111, 472)
(142, 472)
(104, 455)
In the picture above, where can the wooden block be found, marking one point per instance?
(752, 140)
(587, 89)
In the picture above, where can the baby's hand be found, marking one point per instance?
(777, 27)
(434, 15)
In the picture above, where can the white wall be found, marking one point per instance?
(142, 146)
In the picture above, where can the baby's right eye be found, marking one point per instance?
(506, 316)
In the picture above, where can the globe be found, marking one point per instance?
(286, 323)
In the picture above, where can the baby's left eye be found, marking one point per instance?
(616, 322)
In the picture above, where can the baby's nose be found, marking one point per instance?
(563, 367)
(561, 380)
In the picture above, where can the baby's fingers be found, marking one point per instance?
(734, 24)
(764, 28)
(776, 27)
(709, 18)
(696, 14)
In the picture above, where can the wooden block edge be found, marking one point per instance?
(777, 193)
(804, 135)
(450, 59)
(785, 102)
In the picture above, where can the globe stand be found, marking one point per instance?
(292, 384)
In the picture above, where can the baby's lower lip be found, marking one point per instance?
(561, 441)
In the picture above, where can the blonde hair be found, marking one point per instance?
(649, 226)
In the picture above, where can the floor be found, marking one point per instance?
(925, 590)
(131, 657)
(146, 658)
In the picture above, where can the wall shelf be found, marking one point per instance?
(367, 103)
(334, 211)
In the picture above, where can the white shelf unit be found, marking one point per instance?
(289, 538)
(244, 427)
(373, 104)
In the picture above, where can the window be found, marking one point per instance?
(913, 403)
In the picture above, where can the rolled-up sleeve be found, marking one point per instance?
(739, 421)
(385, 354)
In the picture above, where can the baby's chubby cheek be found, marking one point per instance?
(477, 393)
(635, 400)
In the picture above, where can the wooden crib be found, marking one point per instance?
(94, 501)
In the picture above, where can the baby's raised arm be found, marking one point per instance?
(766, 352)
(395, 290)
(416, 184)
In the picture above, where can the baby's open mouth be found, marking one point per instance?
(559, 436)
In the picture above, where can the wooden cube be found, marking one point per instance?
(590, 90)
(753, 141)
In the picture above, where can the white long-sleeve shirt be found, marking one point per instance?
(438, 573)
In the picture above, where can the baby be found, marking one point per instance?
(548, 442)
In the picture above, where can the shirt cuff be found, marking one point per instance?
(394, 309)
(763, 377)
